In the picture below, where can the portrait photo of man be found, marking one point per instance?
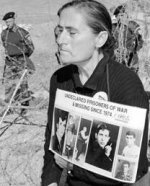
(70, 135)
(102, 145)
(124, 170)
(82, 139)
(59, 130)
(130, 143)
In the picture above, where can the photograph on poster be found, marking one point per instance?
(130, 143)
(59, 130)
(124, 170)
(70, 135)
(82, 139)
(102, 145)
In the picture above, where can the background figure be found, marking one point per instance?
(18, 48)
(128, 40)
(101, 152)
(58, 138)
(81, 142)
(124, 173)
(131, 150)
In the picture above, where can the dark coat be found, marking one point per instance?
(123, 86)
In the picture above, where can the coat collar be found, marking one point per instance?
(14, 29)
(93, 81)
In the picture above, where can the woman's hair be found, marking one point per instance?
(96, 16)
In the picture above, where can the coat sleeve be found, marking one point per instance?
(3, 37)
(28, 43)
(50, 172)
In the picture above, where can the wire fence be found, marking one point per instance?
(21, 136)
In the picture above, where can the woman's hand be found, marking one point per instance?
(63, 163)
(60, 161)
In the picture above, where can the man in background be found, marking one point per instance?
(128, 39)
(18, 48)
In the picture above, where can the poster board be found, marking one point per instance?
(98, 135)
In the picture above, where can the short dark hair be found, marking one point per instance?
(130, 133)
(125, 163)
(102, 127)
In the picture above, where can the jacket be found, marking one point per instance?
(122, 86)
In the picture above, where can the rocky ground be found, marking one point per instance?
(21, 145)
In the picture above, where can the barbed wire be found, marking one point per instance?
(18, 152)
(22, 138)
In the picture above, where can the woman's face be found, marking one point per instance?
(76, 42)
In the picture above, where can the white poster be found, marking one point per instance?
(97, 135)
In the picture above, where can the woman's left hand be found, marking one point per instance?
(60, 161)
(63, 163)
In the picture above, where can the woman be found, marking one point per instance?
(84, 40)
